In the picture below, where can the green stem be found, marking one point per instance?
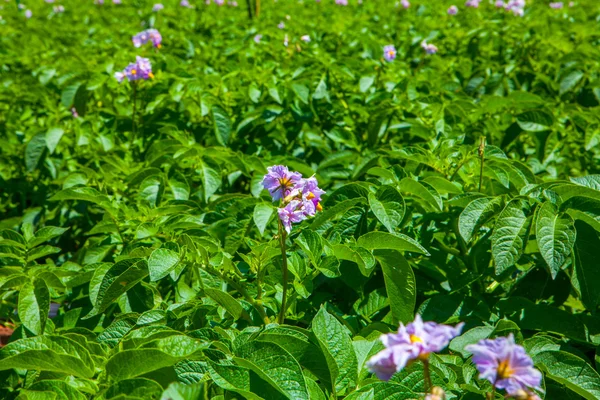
(482, 158)
(284, 270)
(427, 375)
(133, 113)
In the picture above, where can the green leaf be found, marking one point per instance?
(424, 191)
(161, 262)
(84, 194)
(68, 94)
(48, 353)
(301, 91)
(471, 336)
(179, 186)
(274, 365)
(535, 121)
(337, 347)
(34, 150)
(311, 243)
(44, 234)
(384, 240)
(151, 190)
(571, 371)
(400, 284)
(231, 305)
(366, 82)
(34, 305)
(136, 387)
(555, 233)
(477, 213)
(508, 238)
(135, 362)
(222, 123)
(179, 391)
(53, 136)
(388, 206)
(570, 81)
(362, 257)
(262, 215)
(211, 180)
(586, 279)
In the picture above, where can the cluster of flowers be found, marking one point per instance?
(140, 69)
(517, 7)
(299, 197)
(501, 361)
(146, 36)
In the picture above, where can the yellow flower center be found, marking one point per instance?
(319, 207)
(310, 196)
(391, 53)
(415, 339)
(158, 46)
(504, 370)
(133, 72)
(150, 75)
(284, 182)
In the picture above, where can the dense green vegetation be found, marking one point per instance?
(463, 186)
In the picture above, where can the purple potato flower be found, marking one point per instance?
(281, 25)
(58, 9)
(557, 5)
(28, 14)
(414, 341)
(389, 52)
(185, 3)
(74, 112)
(341, 2)
(140, 69)
(258, 38)
(144, 37)
(500, 4)
(429, 48)
(405, 3)
(472, 3)
(453, 10)
(292, 213)
(305, 38)
(157, 7)
(280, 182)
(505, 364)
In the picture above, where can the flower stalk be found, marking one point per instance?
(284, 271)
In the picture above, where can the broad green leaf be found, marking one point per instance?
(274, 365)
(243, 381)
(225, 300)
(477, 213)
(471, 336)
(337, 347)
(48, 353)
(363, 258)
(211, 180)
(262, 215)
(62, 389)
(179, 186)
(509, 236)
(179, 391)
(161, 262)
(34, 305)
(311, 243)
(44, 234)
(84, 194)
(34, 150)
(384, 240)
(400, 284)
(535, 121)
(131, 363)
(68, 94)
(222, 123)
(53, 136)
(151, 190)
(571, 371)
(424, 191)
(586, 273)
(388, 206)
(570, 81)
(555, 233)
(383, 391)
(301, 91)
(136, 387)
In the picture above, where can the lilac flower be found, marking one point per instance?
(280, 182)
(116, 2)
(291, 213)
(453, 10)
(472, 3)
(281, 25)
(28, 14)
(219, 2)
(429, 48)
(341, 2)
(557, 5)
(414, 341)
(49, 1)
(310, 193)
(233, 3)
(99, 2)
(305, 38)
(157, 7)
(405, 3)
(516, 6)
(257, 38)
(185, 3)
(143, 37)
(389, 52)
(74, 112)
(505, 364)
(500, 4)
(58, 9)
(140, 69)
(571, 4)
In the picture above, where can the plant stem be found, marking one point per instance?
(133, 113)
(284, 270)
(482, 158)
(427, 375)
(257, 9)
(249, 3)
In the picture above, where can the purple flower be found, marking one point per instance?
(281, 25)
(472, 3)
(257, 38)
(233, 3)
(505, 364)
(414, 341)
(557, 5)
(58, 9)
(571, 4)
(453, 10)
(429, 48)
(219, 2)
(280, 182)
(305, 38)
(389, 52)
(157, 7)
(341, 2)
(293, 212)
(74, 112)
(140, 69)
(144, 37)
(28, 14)
(500, 4)
(310, 193)
(405, 3)
(117, 2)
(49, 1)
(185, 3)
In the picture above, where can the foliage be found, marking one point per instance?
(152, 233)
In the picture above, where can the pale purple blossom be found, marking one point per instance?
(405, 3)
(144, 37)
(99, 2)
(415, 341)
(292, 213)
(517, 7)
(453, 10)
(571, 4)
(557, 5)
(500, 4)
(140, 69)
(49, 1)
(185, 3)
(305, 38)
(505, 364)
(258, 38)
(219, 2)
(58, 9)
(429, 48)
(389, 52)
(117, 2)
(157, 7)
(233, 3)
(28, 14)
(280, 182)
(341, 2)
(472, 3)
(74, 112)
(281, 25)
